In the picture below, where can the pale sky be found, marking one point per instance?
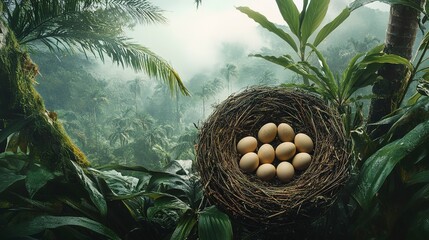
(192, 38)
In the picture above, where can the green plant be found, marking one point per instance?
(301, 24)
(170, 201)
(42, 203)
(339, 90)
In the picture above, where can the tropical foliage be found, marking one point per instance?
(135, 187)
(91, 27)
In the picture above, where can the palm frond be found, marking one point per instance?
(93, 27)
(139, 10)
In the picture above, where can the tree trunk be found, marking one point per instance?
(19, 102)
(390, 89)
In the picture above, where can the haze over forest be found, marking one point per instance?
(199, 43)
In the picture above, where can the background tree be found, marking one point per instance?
(229, 72)
(400, 36)
(135, 88)
(208, 90)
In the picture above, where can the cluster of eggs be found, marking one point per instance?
(272, 158)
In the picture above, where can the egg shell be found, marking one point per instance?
(247, 144)
(285, 151)
(285, 132)
(267, 133)
(301, 161)
(303, 143)
(266, 172)
(266, 153)
(249, 162)
(285, 171)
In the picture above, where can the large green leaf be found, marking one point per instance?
(286, 61)
(40, 223)
(96, 197)
(329, 76)
(15, 126)
(328, 28)
(419, 226)
(167, 203)
(214, 224)
(314, 16)
(290, 14)
(265, 23)
(7, 178)
(378, 166)
(421, 177)
(37, 177)
(185, 225)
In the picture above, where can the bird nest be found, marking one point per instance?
(243, 195)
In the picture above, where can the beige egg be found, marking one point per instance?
(266, 172)
(285, 171)
(285, 132)
(267, 133)
(285, 151)
(303, 143)
(247, 144)
(266, 153)
(301, 161)
(249, 162)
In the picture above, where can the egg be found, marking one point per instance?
(301, 161)
(266, 172)
(266, 153)
(285, 151)
(285, 132)
(267, 133)
(303, 143)
(247, 144)
(249, 162)
(285, 171)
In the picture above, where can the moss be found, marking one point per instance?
(48, 141)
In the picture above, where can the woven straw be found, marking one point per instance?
(242, 195)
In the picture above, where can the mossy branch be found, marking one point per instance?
(48, 142)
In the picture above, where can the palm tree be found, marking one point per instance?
(229, 71)
(208, 90)
(91, 27)
(122, 128)
(135, 88)
(400, 37)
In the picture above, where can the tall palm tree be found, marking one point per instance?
(209, 89)
(135, 88)
(92, 27)
(400, 37)
(229, 71)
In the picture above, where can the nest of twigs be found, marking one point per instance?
(245, 197)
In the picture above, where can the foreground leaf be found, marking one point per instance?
(263, 21)
(96, 197)
(328, 28)
(214, 224)
(377, 167)
(37, 177)
(185, 225)
(290, 14)
(7, 178)
(40, 223)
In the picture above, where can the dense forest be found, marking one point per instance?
(86, 154)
